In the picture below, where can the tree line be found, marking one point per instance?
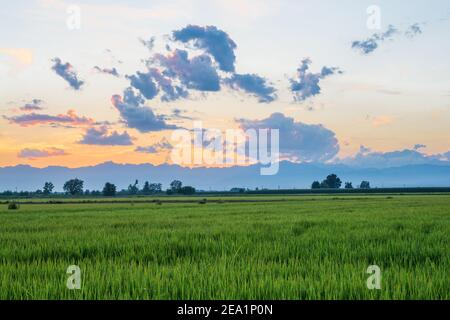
(75, 187)
(332, 181)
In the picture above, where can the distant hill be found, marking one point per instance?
(290, 175)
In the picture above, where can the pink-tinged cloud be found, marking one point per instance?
(32, 119)
(40, 153)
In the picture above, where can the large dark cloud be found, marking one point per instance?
(174, 75)
(307, 84)
(101, 137)
(255, 85)
(298, 141)
(40, 153)
(31, 119)
(214, 41)
(135, 115)
(65, 71)
(371, 44)
(197, 73)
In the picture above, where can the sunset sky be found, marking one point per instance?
(115, 88)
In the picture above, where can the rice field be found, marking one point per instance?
(298, 247)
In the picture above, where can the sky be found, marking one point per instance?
(362, 83)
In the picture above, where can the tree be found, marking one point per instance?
(74, 187)
(133, 188)
(365, 185)
(187, 190)
(155, 187)
(175, 186)
(324, 185)
(332, 181)
(146, 189)
(48, 188)
(109, 190)
(315, 185)
(348, 185)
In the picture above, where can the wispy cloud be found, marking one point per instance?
(371, 44)
(111, 71)
(66, 71)
(307, 84)
(163, 145)
(40, 153)
(102, 137)
(33, 105)
(31, 119)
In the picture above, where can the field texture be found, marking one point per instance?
(306, 247)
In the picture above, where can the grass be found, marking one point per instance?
(309, 247)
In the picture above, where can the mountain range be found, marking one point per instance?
(290, 175)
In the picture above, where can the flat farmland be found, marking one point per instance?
(256, 247)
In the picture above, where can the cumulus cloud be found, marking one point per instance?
(102, 137)
(307, 84)
(397, 158)
(135, 115)
(113, 71)
(255, 85)
(65, 71)
(38, 153)
(176, 73)
(145, 84)
(171, 91)
(162, 145)
(31, 119)
(213, 41)
(298, 141)
(371, 44)
(197, 73)
(33, 105)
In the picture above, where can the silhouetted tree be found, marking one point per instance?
(74, 187)
(155, 187)
(48, 188)
(146, 188)
(315, 185)
(175, 186)
(187, 190)
(365, 185)
(133, 188)
(109, 190)
(348, 185)
(332, 181)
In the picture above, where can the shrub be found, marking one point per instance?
(13, 206)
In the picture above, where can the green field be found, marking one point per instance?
(297, 247)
